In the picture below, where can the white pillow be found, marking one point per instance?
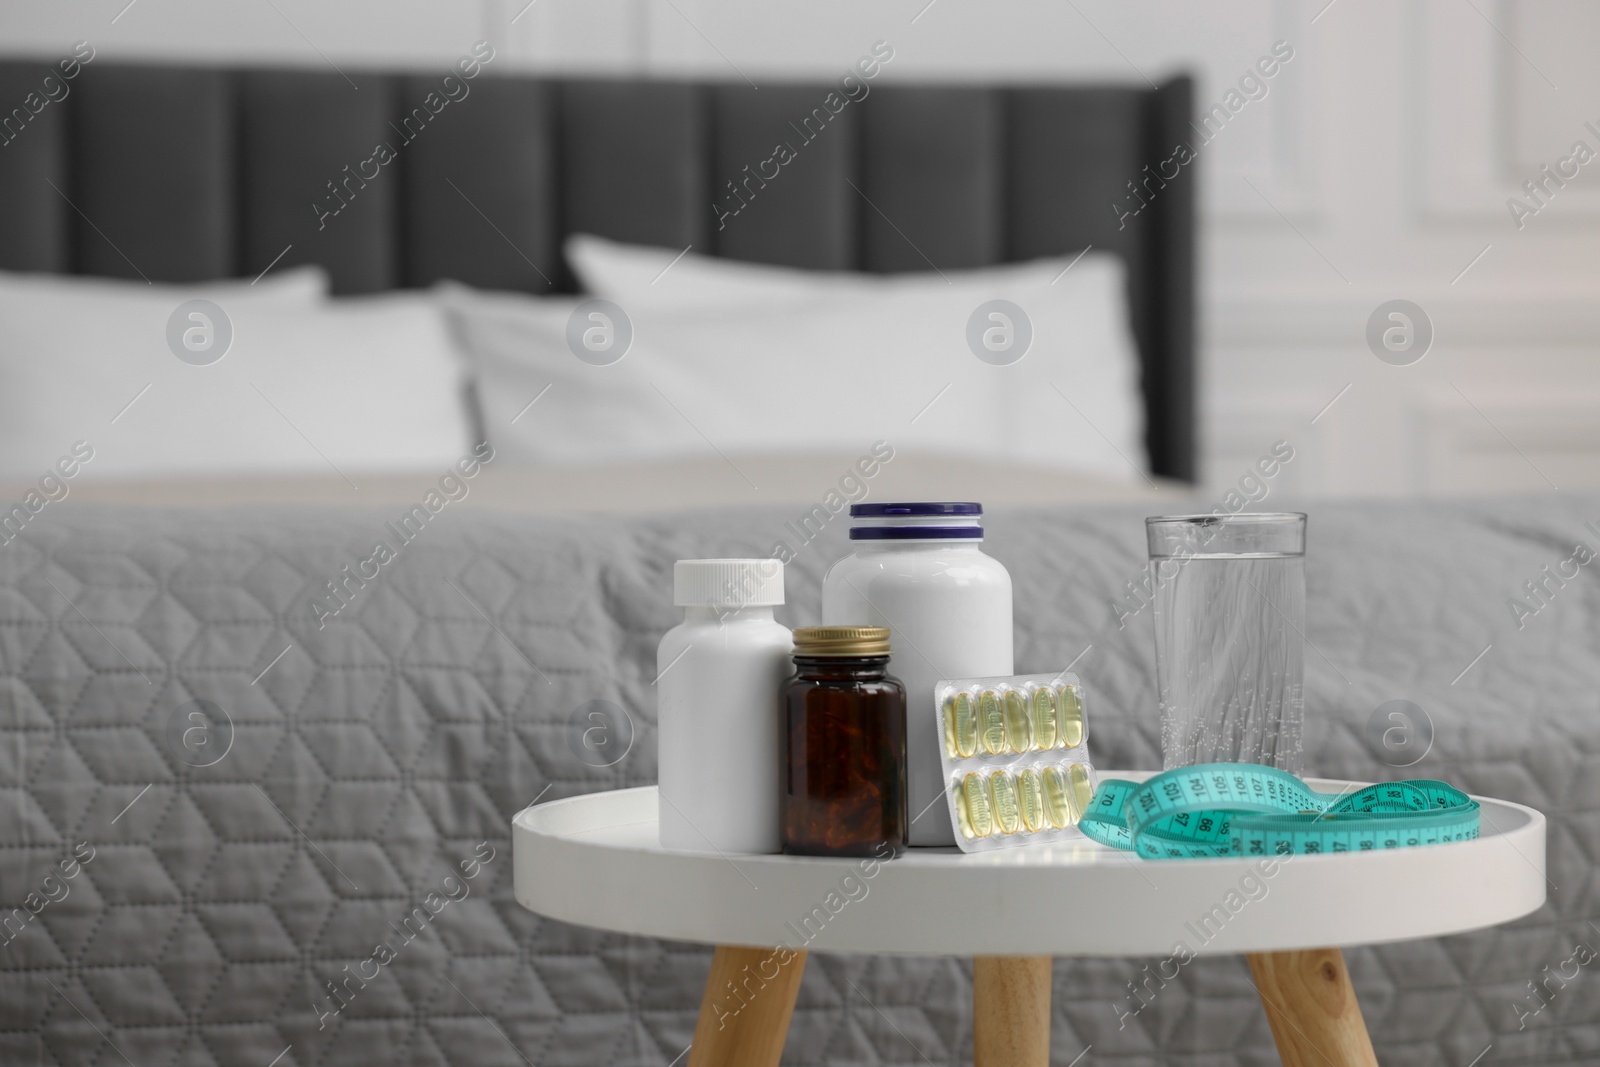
(819, 362)
(1082, 343)
(306, 385)
(302, 285)
(644, 278)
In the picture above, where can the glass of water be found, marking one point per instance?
(1230, 606)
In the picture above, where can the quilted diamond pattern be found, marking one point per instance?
(229, 907)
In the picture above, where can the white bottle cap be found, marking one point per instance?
(737, 583)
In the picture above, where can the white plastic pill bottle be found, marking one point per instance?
(719, 677)
(919, 569)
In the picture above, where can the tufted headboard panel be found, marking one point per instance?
(183, 174)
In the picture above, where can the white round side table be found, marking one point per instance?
(596, 861)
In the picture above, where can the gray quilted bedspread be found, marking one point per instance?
(242, 830)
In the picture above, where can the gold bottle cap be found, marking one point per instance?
(841, 641)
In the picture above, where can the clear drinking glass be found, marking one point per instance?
(1230, 606)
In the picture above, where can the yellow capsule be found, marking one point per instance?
(1044, 718)
(1004, 791)
(976, 811)
(993, 721)
(966, 726)
(1082, 792)
(1021, 738)
(1057, 798)
(1071, 716)
(948, 713)
(1030, 801)
(961, 810)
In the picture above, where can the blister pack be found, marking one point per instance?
(1016, 759)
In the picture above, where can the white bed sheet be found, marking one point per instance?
(636, 488)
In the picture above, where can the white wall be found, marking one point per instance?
(1378, 168)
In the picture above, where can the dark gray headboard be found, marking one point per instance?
(183, 174)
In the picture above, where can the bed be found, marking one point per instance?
(233, 767)
(486, 191)
(402, 735)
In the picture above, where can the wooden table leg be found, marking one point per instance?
(1011, 1011)
(745, 1013)
(1312, 1008)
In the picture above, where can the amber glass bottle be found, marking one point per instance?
(844, 745)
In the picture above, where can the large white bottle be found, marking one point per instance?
(918, 569)
(719, 678)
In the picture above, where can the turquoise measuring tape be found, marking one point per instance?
(1245, 809)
